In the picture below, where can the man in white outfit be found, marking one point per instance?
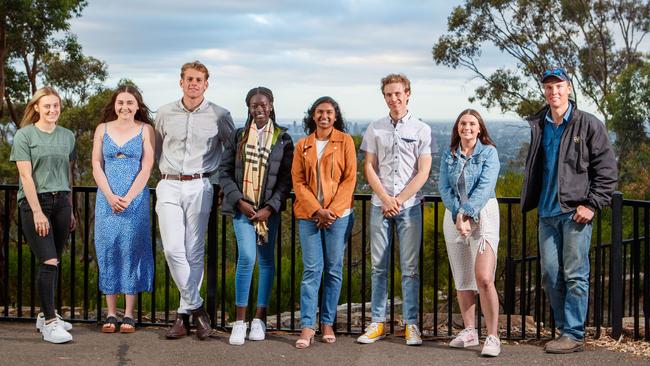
(189, 142)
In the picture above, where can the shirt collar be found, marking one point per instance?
(565, 118)
(477, 149)
(405, 118)
(203, 104)
(266, 127)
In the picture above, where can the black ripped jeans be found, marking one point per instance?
(56, 207)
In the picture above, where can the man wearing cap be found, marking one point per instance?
(190, 134)
(570, 173)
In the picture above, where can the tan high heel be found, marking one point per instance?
(302, 342)
(328, 338)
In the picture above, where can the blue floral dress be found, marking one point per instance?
(123, 240)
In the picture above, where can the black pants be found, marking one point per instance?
(56, 207)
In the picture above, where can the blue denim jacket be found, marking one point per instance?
(480, 179)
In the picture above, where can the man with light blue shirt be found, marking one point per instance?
(190, 135)
(398, 160)
(570, 173)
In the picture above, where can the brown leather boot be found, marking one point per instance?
(202, 323)
(180, 328)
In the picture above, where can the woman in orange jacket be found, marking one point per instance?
(324, 176)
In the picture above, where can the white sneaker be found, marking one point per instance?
(238, 335)
(55, 333)
(257, 330)
(40, 321)
(491, 347)
(467, 337)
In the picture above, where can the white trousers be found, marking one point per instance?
(183, 210)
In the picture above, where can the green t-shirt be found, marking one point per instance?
(50, 154)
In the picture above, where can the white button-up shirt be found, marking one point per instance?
(191, 142)
(397, 148)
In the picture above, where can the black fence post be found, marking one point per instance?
(616, 280)
(211, 272)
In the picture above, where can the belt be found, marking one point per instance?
(184, 177)
(53, 194)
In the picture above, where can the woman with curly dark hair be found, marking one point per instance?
(324, 176)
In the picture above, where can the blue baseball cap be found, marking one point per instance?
(555, 72)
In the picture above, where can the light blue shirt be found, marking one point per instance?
(397, 148)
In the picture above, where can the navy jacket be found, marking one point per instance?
(276, 186)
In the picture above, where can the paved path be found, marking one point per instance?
(21, 345)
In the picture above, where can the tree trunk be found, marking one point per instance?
(12, 110)
(3, 56)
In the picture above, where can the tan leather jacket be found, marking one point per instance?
(338, 170)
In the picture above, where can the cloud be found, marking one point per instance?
(301, 49)
(212, 54)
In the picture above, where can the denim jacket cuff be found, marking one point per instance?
(468, 212)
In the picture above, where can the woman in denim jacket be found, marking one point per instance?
(468, 174)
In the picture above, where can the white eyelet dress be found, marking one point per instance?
(462, 251)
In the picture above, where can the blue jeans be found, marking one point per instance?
(409, 230)
(564, 249)
(322, 252)
(248, 248)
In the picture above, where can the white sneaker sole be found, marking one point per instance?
(465, 344)
(58, 341)
(256, 338)
(236, 343)
(490, 353)
(369, 340)
(414, 343)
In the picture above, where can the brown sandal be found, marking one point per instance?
(109, 325)
(128, 325)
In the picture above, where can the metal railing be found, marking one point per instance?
(618, 284)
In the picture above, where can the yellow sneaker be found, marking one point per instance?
(413, 335)
(374, 332)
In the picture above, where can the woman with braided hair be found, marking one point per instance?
(255, 192)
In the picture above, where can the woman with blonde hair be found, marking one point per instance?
(42, 151)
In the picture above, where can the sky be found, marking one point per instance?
(300, 49)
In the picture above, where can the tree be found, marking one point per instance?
(74, 75)
(628, 105)
(593, 40)
(28, 29)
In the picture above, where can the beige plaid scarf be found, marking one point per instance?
(256, 154)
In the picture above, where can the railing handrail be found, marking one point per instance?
(617, 254)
